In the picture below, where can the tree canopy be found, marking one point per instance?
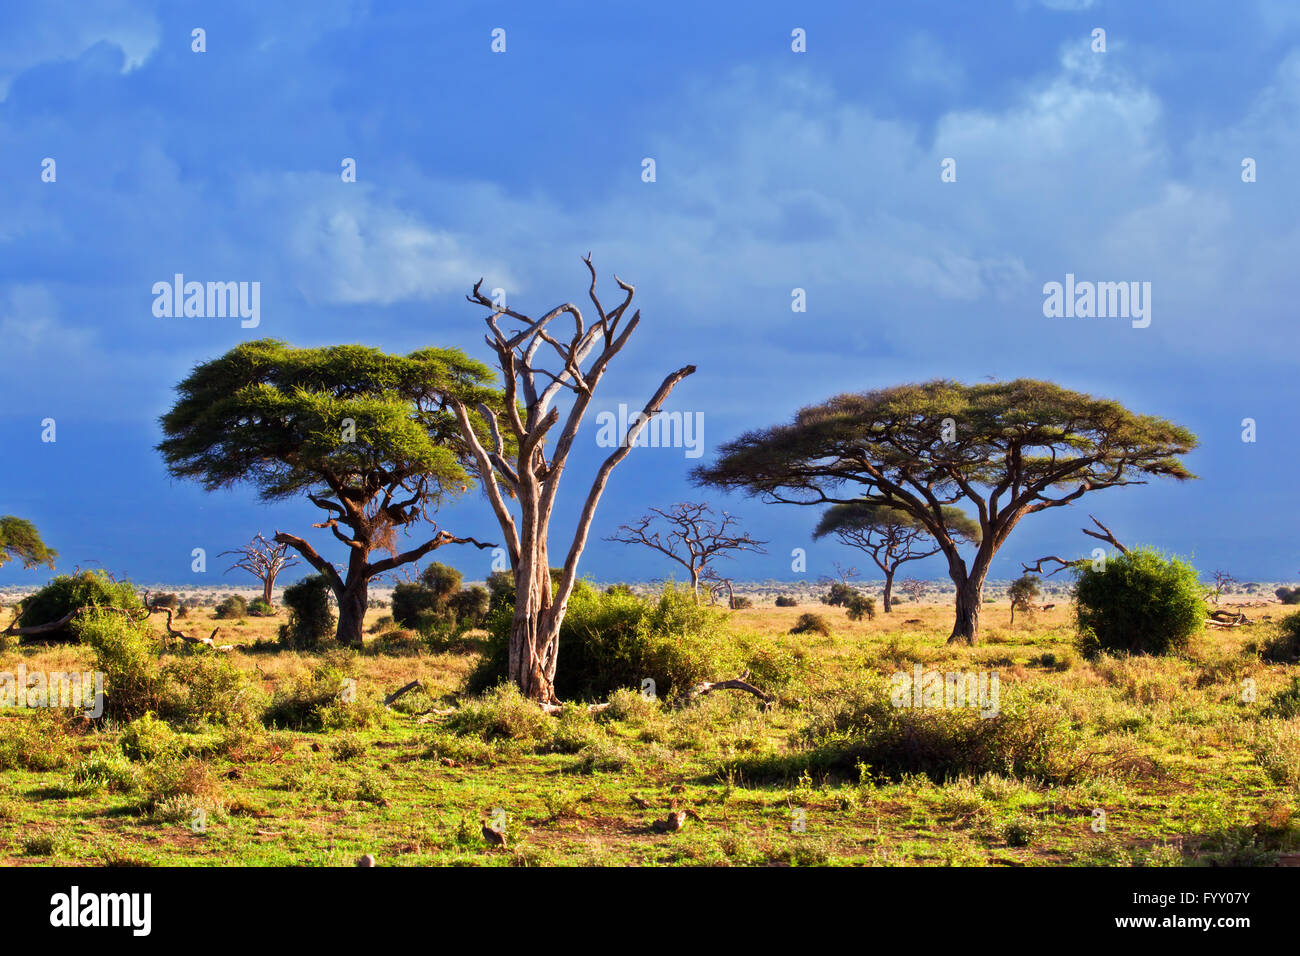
(1007, 449)
(366, 436)
(20, 539)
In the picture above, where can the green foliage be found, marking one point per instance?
(271, 414)
(1141, 602)
(861, 726)
(740, 602)
(783, 600)
(231, 608)
(75, 592)
(839, 595)
(437, 603)
(311, 618)
(1023, 592)
(38, 740)
(810, 623)
(860, 518)
(168, 600)
(1284, 646)
(20, 539)
(611, 641)
(261, 607)
(1285, 704)
(861, 605)
(325, 699)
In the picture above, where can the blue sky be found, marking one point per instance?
(775, 170)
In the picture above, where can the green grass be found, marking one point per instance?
(1184, 769)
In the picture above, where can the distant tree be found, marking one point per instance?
(264, 561)
(365, 436)
(689, 534)
(890, 535)
(914, 589)
(20, 539)
(1222, 579)
(1008, 449)
(1024, 591)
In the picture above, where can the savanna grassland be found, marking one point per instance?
(1184, 769)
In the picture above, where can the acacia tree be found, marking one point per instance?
(1023, 592)
(20, 539)
(690, 534)
(264, 561)
(1006, 448)
(363, 435)
(890, 535)
(527, 474)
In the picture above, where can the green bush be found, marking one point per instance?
(811, 624)
(311, 618)
(470, 606)
(1140, 603)
(231, 608)
(320, 700)
(785, 601)
(37, 741)
(411, 600)
(74, 592)
(1288, 595)
(127, 654)
(261, 607)
(860, 606)
(611, 641)
(739, 602)
(1284, 646)
(839, 595)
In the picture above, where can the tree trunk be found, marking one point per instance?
(695, 583)
(268, 585)
(352, 613)
(889, 588)
(535, 630)
(970, 596)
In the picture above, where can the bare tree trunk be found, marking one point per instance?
(889, 589)
(268, 585)
(695, 583)
(966, 628)
(535, 630)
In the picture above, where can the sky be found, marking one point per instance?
(774, 170)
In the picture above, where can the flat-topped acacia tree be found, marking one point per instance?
(20, 539)
(889, 535)
(365, 436)
(1006, 448)
(514, 460)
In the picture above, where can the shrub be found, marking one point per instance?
(128, 656)
(311, 619)
(165, 600)
(75, 592)
(200, 688)
(860, 606)
(261, 607)
(811, 624)
(1285, 703)
(231, 608)
(609, 641)
(1023, 592)
(470, 606)
(1288, 595)
(1284, 646)
(1139, 603)
(783, 600)
(861, 726)
(1276, 749)
(148, 738)
(410, 601)
(839, 594)
(503, 713)
(316, 701)
(38, 741)
(740, 602)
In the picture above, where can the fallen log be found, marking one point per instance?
(413, 685)
(740, 683)
(40, 628)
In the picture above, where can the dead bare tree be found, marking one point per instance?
(521, 469)
(689, 533)
(1221, 581)
(264, 560)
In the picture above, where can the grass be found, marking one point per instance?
(1148, 761)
